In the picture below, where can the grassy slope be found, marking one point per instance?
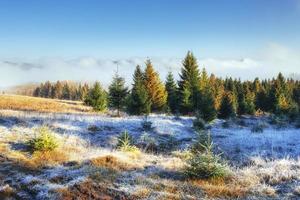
(25, 103)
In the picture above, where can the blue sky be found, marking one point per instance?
(217, 31)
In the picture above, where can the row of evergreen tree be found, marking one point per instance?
(62, 90)
(196, 92)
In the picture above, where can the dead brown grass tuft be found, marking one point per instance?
(219, 188)
(142, 193)
(111, 162)
(38, 159)
(91, 190)
(26, 103)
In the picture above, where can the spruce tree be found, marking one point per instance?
(57, 90)
(261, 100)
(206, 107)
(138, 101)
(249, 99)
(227, 107)
(156, 90)
(172, 91)
(280, 96)
(37, 92)
(189, 84)
(84, 92)
(206, 101)
(97, 98)
(241, 99)
(117, 93)
(66, 92)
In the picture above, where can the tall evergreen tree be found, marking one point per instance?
(156, 90)
(206, 101)
(206, 107)
(66, 92)
(97, 98)
(241, 99)
(37, 92)
(228, 106)
(189, 84)
(280, 96)
(138, 102)
(57, 90)
(84, 91)
(249, 99)
(172, 91)
(261, 100)
(117, 93)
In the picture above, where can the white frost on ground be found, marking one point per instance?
(238, 144)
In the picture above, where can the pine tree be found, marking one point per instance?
(156, 90)
(66, 93)
(138, 102)
(117, 93)
(97, 98)
(37, 92)
(280, 96)
(172, 91)
(47, 90)
(241, 99)
(203, 80)
(206, 101)
(189, 84)
(249, 99)
(57, 90)
(261, 100)
(228, 106)
(84, 92)
(206, 107)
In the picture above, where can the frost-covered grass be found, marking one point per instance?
(262, 164)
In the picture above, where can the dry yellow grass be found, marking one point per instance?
(111, 162)
(38, 159)
(26, 103)
(220, 189)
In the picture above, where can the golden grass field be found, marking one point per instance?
(26, 103)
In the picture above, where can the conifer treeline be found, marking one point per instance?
(196, 92)
(62, 90)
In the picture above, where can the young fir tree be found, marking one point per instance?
(172, 91)
(138, 101)
(228, 106)
(189, 84)
(156, 90)
(97, 97)
(117, 93)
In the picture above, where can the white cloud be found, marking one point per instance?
(267, 63)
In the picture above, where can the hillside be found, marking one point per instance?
(25, 103)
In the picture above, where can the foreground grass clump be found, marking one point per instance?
(110, 162)
(44, 140)
(204, 164)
